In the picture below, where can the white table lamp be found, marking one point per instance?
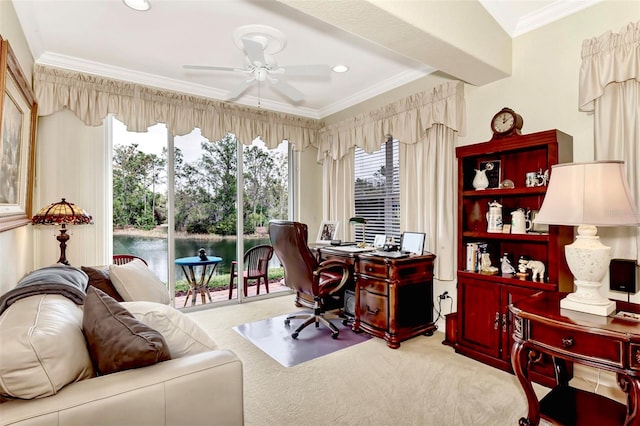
(588, 195)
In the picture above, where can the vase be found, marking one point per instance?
(480, 181)
(475, 218)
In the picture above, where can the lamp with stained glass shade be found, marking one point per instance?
(62, 213)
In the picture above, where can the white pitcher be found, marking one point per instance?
(480, 180)
(494, 217)
(519, 222)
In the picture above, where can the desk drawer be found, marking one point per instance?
(586, 345)
(373, 268)
(373, 286)
(373, 310)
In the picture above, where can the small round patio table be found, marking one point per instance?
(200, 284)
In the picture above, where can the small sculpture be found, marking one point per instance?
(523, 272)
(537, 269)
(485, 264)
(203, 255)
(506, 266)
(543, 178)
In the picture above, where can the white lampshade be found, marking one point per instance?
(594, 193)
(588, 195)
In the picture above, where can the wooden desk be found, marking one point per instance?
(394, 297)
(608, 343)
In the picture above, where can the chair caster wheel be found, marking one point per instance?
(334, 335)
(287, 322)
(294, 336)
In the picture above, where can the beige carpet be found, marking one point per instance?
(421, 383)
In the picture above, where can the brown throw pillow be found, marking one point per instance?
(99, 278)
(117, 341)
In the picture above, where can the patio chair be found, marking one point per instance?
(256, 267)
(121, 259)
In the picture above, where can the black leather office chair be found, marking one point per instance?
(324, 282)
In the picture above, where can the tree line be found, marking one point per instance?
(205, 189)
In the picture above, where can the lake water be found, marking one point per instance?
(155, 251)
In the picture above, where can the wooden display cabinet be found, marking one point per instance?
(483, 321)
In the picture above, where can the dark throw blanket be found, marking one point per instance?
(60, 279)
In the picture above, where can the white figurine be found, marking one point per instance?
(485, 264)
(506, 266)
(537, 269)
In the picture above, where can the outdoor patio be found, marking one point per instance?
(222, 295)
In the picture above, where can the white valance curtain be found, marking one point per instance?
(427, 125)
(610, 88)
(91, 98)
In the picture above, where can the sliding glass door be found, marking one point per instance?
(172, 209)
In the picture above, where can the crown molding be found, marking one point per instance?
(124, 74)
(548, 14)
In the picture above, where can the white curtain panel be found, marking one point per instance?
(610, 88)
(427, 125)
(338, 203)
(428, 189)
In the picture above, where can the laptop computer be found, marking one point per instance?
(412, 242)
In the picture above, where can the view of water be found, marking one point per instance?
(155, 251)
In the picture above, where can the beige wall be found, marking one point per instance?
(16, 245)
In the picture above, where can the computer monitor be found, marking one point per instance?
(413, 242)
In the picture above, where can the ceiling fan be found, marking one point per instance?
(259, 43)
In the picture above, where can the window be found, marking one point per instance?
(377, 191)
(200, 202)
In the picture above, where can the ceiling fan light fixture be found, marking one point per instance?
(261, 74)
(139, 5)
(340, 68)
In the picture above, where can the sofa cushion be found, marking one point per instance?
(42, 347)
(99, 278)
(181, 333)
(117, 341)
(135, 282)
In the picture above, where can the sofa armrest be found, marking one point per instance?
(199, 389)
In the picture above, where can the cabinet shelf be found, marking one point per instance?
(510, 280)
(543, 238)
(497, 193)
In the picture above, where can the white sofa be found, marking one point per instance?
(47, 373)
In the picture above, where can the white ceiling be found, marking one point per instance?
(106, 38)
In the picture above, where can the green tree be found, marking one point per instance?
(259, 172)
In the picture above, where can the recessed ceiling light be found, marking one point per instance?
(340, 68)
(141, 5)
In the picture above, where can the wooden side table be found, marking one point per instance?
(201, 284)
(607, 343)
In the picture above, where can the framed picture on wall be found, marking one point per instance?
(17, 141)
(327, 232)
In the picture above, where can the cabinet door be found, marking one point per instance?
(479, 313)
(510, 294)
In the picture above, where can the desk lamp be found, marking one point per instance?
(355, 221)
(587, 195)
(62, 213)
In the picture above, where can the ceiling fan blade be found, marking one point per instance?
(323, 71)
(288, 90)
(210, 68)
(237, 91)
(255, 52)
